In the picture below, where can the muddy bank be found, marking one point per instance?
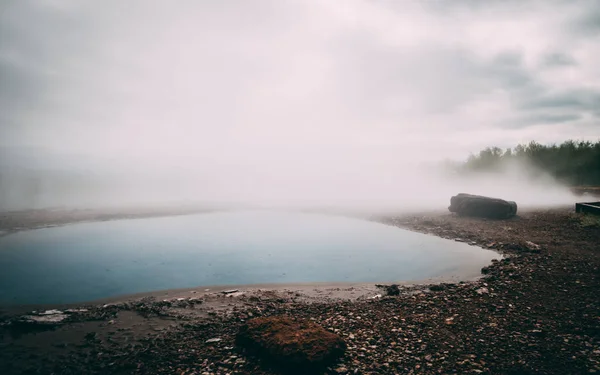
(535, 312)
(15, 221)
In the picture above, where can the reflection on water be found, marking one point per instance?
(88, 261)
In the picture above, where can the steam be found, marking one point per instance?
(276, 103)
(366, 186)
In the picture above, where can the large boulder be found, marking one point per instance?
(293, 343)
(480, 206)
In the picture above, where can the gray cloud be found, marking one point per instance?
(581, 100)
(588, 22)
(543, 119)
(558, 59)
(509, 72)
(290, 92)
(105, 65)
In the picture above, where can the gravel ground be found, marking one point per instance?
(537, 311)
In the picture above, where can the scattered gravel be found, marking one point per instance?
(537, 311)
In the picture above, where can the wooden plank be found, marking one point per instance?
(589, 207)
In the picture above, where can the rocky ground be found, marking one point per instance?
(535, 312)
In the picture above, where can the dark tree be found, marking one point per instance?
(572, 162)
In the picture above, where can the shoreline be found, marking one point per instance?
(26, 220)
(46, 219)
(317, 291)
(536, 311)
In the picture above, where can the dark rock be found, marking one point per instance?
(390, 290)
(290, 342)
(523, 247)
(437, 287)
(480, 206)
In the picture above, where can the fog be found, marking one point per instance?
(316, 181)
(354, 104)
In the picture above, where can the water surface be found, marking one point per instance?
(83, 262)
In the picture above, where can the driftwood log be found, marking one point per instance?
(480, 206)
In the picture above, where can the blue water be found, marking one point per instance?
(83, 262)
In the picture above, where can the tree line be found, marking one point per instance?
(573, 162)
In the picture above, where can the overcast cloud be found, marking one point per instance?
(273, 86)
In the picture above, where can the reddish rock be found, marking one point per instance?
(294, 342)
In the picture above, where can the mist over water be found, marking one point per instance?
(381, 188)
(280, 103)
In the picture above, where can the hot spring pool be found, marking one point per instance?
(83, 262)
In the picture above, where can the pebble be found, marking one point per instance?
(458, 329)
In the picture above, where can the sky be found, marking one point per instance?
(291, 89)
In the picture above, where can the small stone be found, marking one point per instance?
(75, 310)
(44, 319)
(533, 247)
(50, 312)
(230, 291)
(235, 294)
(437, 288)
